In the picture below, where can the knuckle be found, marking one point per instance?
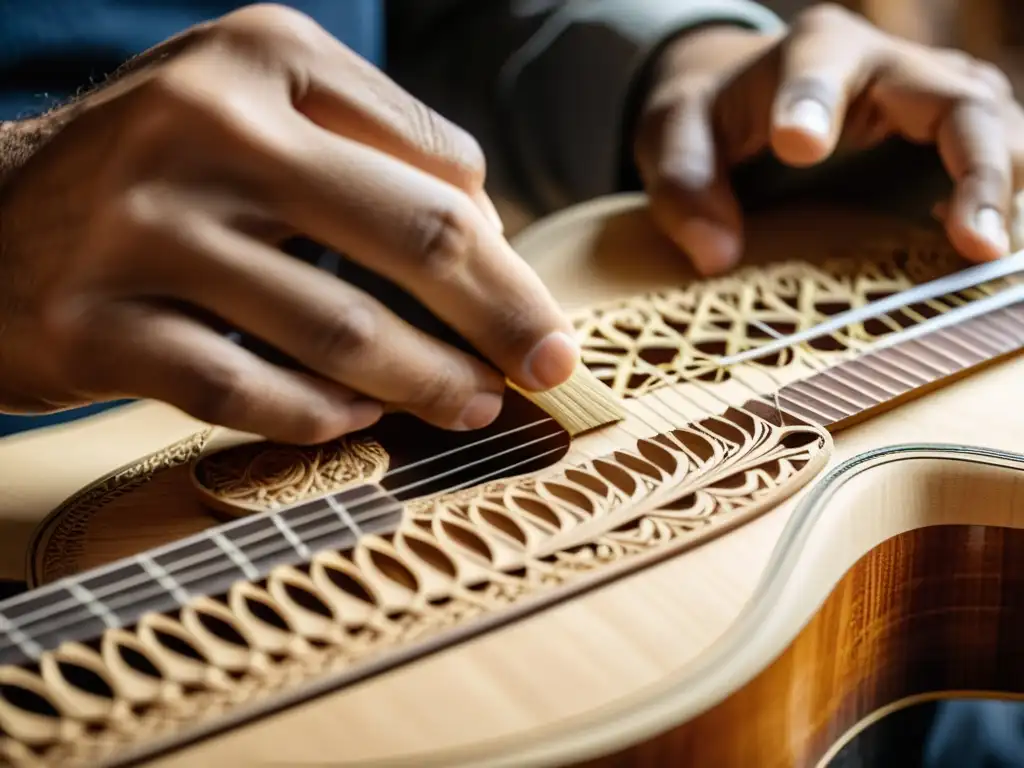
(220, 395)
(348, 332)
(988, 176)
(309, 427)
(981, 104)
(442, 392)
(439, 137)
(445, 237)
(683, 176)
(955, 59)
(824, 15)
(162, 111)
(995, 78)
(179, 119)
(264, 24)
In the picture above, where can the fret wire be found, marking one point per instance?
(333, 505)
(206, 538)
(850, 369)
(976, 357)
(984, 341)
(828, 373)
(995, 325)
(900, 374)
(236, 555)
(297, 544)
(163, 577)
(809, 382)
(843, 412)
(95, 606)
(964, 365)
(1015, 310)
(843, 372)
(346, 518)
(1006, 320)
(789, 395)
(899, 349)
(804, 413)
(986, 337)
(1015, 333)
(938, 350)
(929, 346)
(218, 564)
(22, 641)
(32, 596)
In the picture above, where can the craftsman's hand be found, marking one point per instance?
(161, 199)
(722, 94)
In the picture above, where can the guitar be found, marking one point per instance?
(804, 510)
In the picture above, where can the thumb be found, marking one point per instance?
(692, 201)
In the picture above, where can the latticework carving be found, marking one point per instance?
(474, 554)
(460, 562)
(643, 342)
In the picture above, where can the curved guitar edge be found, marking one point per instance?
(705, 714)
(58, 536)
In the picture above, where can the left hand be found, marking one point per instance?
(723, 94)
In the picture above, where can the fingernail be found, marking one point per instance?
(810, 116)
(711, 247)
(481, 410)
(489, 210)
(551, 361)
(989, 223)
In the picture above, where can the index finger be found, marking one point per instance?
(430, 239)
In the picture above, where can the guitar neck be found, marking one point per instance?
(82, 607)
(908, 364)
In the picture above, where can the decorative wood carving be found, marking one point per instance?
(640, 343)
(258, 476)
(481, 555)
(464, 561)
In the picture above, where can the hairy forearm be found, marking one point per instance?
(18, 141)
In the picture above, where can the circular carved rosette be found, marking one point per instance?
(260, 476)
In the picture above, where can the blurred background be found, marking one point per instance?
(992, 30)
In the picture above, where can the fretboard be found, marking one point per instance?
(879, 378)
(163, 579)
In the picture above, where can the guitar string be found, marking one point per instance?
(864, 357)
(131, 598)
(153, 589)
(188, 562)
(178, 566)
(657, 432)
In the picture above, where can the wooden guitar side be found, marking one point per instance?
(759, 647)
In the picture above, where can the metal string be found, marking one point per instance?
(185, 563)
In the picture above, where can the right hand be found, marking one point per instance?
(165, 193)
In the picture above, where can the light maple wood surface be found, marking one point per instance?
(642, 655)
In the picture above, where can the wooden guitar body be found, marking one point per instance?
(742, 572)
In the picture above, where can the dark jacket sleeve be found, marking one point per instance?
(544, 85)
